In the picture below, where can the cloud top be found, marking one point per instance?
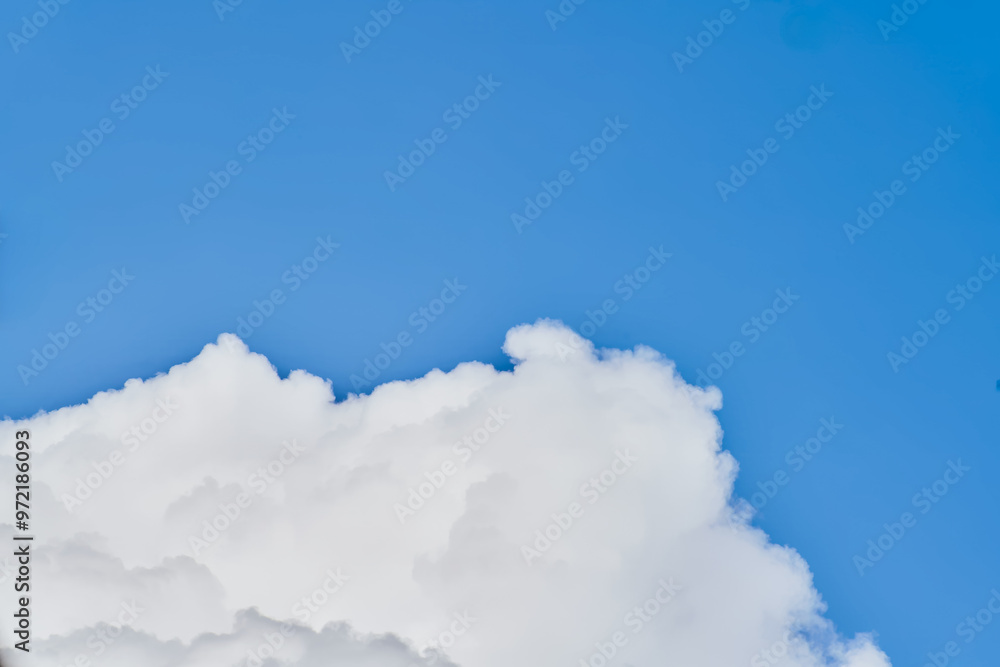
(577, 508)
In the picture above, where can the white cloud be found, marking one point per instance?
(611, 453)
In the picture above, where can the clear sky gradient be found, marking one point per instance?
(231, 162)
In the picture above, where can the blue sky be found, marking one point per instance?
(264, 98)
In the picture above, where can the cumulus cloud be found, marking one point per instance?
(577, 508)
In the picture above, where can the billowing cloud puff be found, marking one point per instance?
(577, 508)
